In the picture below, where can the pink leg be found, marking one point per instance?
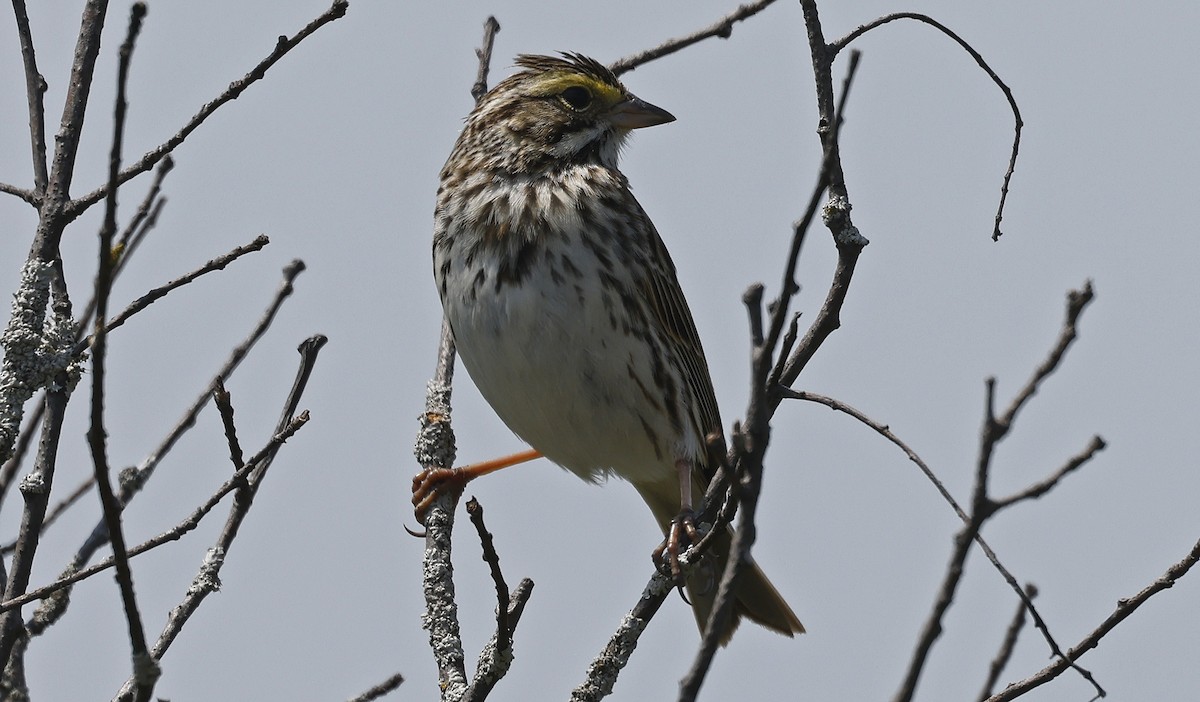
(683, 528)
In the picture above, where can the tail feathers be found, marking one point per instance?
(757, 598)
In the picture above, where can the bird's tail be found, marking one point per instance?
(757, 598)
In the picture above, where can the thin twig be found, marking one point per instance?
(484, 54)
(1041, 488)
(1018, 123)
(495, 661)
(145, 671)
(308, 350)
(886, 432)
(35, 93)
(222, 400)
(503, 632)
(1077, 302)
(750, 441)
(189, 523)
(23, 193)
(380, 690)
(836, 211)
(143, 220)
(138, 477)
(722, 28)
(1125, 607)
(285, 44)
(1007, 646)
(208, 579)
(216, 264)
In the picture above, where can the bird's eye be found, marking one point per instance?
(577, 97)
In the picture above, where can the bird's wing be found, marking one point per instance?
(670, 309)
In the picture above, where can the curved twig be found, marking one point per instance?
(1018, 123)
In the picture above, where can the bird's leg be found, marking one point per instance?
(683, 528)
(432, 483)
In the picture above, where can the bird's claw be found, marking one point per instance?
(429, 485)
(680, 537)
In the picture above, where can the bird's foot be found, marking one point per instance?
(432, 483)
(680, 536)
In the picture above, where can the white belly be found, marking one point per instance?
(560, 373)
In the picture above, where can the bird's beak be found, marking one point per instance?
(634, 113)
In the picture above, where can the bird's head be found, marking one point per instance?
(558, 111)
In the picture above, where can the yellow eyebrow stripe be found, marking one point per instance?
(557, 82)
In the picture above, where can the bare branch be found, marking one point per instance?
(1007, 646)
(224, 405)
(143, 220)
(208, 579)
(836, 211)
(886, 432)
(441, 612)
(380, 690)
(494, 662)
(503, 632)
(1041, 488)
(285, 44)
(484, 53)
(1018, 123)
(933, 628)
(604, 669)
(145, 671)
(435, 449)
(62, 168)
(35, 92)
(35, 488)
(140, 225)
(24, 193)
(1125, 607)
(72, 575)
(66, 503)
(722, 28)
(137, 477)
(216, 264)
(1077, 301)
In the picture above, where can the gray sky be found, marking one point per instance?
(335, 157)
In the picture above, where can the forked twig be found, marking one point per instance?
(982, 505)
(1125, 607)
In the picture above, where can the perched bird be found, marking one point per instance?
(565, 306)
